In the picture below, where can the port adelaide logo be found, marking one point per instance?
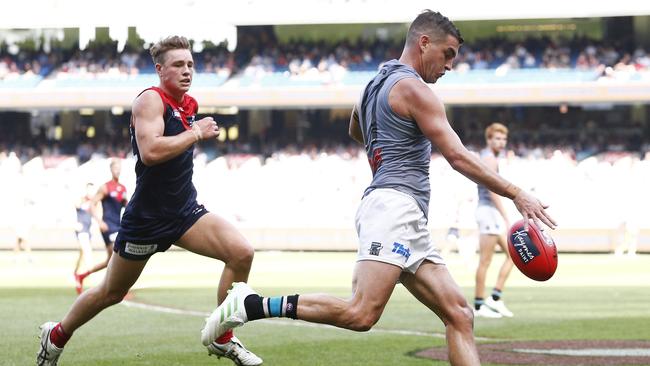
(375, 248)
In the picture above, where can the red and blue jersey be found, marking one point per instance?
(163, 190)
(112, 203)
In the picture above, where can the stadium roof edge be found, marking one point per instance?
(204, 14)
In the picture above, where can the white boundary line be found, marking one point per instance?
(170, 310)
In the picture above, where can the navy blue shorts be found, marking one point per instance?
(110, 236)
(140, 238)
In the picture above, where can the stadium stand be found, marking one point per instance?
(313, 64)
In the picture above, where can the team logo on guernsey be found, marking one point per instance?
(401, 250)
(375, 248)
(177, 114)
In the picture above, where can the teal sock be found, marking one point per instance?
(258, 307)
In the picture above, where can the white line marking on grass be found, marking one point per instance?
(163, 309)
(293, 323)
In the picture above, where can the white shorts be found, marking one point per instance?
(489, 220)
(393, 229)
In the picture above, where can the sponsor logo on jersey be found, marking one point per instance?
(140, 249)
(401, 250)
(375, 248)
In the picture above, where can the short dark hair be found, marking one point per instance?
(159, 49)
(434, 25)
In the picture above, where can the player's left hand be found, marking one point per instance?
(533, 209)
(208, 127)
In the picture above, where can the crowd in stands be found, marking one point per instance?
(577, 53)
(305, 58)
(26, 63)
(104, 59)
(261, 54)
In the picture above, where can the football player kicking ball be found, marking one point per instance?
(397, 119)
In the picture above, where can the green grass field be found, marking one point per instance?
(590, 297)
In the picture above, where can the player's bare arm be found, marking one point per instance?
(355, 130)
(492, 163)
(413, 99)
(149, 126)
(94, 203)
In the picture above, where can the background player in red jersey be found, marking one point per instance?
(112, 196)
(163, 209)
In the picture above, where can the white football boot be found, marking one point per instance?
(230, 314)
(499, 306)
(486, 312)
(235, 351)
(48, 354)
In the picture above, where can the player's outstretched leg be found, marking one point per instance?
(121, 275)
(372, 286)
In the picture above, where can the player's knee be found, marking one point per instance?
(113, 296)
(461, 317)
(483, 263)
(116, 297)
(361, 320)
(244, 256)
(247, 254)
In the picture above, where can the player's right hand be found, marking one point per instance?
(532, 209)
(103, 226)
(208, 127)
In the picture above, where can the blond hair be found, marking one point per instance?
(495, 127)
(159, 49)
